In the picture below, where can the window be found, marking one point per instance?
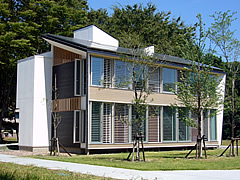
(169, 79)
(121, 128)
(169, 124)
(77, 77)
(213, 126)
(184, 133)
(101, 125)
(122, 72)
(101, 72)
(96, 122)
(154, 124)
(97, 71)
(154, 79)
(76, 130)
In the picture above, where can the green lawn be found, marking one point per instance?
(168, 160)
(226, 142)
(9, 171)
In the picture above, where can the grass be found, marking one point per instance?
(9, 171)
(168, 160)
(226, 142)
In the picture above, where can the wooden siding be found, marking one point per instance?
(68, 104)
(65, 80)
(62, 56)
(65, 130)
(153, 125)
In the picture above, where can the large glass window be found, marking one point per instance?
(184, 133)
(96, 122)
(122, 73)
(97, 71)
(169, 79)
(213, 126)
(169, 124)
(121, 127)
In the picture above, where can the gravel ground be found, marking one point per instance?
(13, 150)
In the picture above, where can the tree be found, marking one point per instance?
(141, 63)
(198, 90)
(229, 48)
(168, 35)
(22, 23)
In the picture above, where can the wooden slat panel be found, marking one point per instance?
(68, 104)
(62, 56)
(153, 125)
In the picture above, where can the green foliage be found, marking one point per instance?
(169, 36)
(140, 61)
(229, 48)
(21, 25)
(198, 89)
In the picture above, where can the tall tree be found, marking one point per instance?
(22, 23)
(141, 64)
(169, 36)
(229, 48)
(198, 90)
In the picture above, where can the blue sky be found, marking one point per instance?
(187, 9)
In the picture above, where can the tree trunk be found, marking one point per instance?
(233, 109)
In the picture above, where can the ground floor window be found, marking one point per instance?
(169, 124)
(79, 126)
(111, 123)
(213, 126)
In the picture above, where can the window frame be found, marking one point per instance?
(79, 126)
(162, 83)
(80, 77)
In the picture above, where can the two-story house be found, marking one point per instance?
(92, 112)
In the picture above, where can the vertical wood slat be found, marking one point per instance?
(62, 56)
(68, 104)
(153, 125)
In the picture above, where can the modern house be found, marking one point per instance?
(92, 112)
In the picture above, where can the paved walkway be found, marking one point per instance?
(120, 173)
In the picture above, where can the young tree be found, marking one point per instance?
(141, 65)
(229, 48)
(198, 90)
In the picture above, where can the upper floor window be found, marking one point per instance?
(97, 71)
(169, 79)
(122, 74)
(101, 72)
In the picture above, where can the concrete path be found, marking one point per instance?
(120, 173)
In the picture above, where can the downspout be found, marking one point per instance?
(87, 100)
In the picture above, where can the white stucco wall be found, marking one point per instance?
(94, 34)
(221, 89)
(34, 82)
